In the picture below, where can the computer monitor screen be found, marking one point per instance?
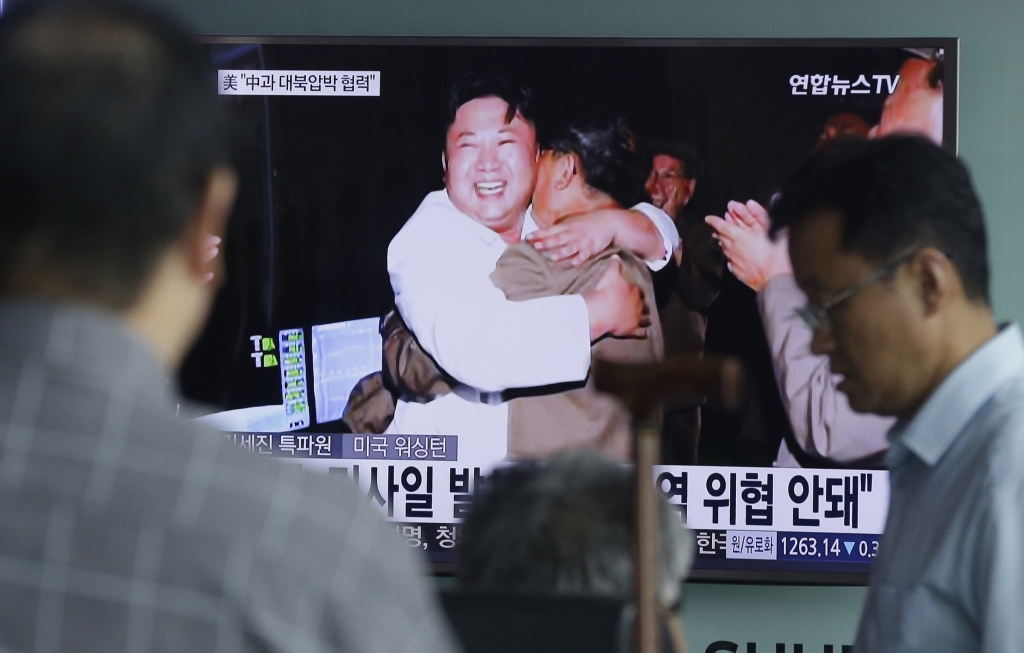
(392, 312)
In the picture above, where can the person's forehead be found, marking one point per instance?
(667, 161)
(819, 260)
(823, 226)
(815, 239)
(487, 113)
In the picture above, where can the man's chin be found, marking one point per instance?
(492, 218)
(487, 212)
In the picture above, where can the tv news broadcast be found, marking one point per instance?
(399, 310)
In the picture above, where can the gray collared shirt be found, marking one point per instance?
(123, 528)
(949, 575)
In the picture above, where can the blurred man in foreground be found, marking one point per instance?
(123, 528)
(887, 240)
(566, 527)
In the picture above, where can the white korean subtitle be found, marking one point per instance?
(299, 82)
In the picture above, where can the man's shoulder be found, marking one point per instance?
(266, 479)
(94, 447)
(524, 254)
(296, 535)
(524, 273)
(1000, 423)
(239, 498)
(435, 219)
(245, 485)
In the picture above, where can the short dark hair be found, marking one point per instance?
(684, 153)
(564, 527)
(892, 194)
(109, 130)
(608, 157)
(476, 85)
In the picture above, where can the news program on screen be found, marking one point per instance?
(390, 315)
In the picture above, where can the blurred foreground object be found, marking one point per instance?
(563, 528)
(122, 526)
(642, 388)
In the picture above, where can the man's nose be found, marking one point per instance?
(488, 159)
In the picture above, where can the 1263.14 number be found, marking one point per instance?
(827, 547)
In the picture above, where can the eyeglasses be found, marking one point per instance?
(816, 317)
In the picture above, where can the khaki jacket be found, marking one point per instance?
(542, 420)
(545, 420)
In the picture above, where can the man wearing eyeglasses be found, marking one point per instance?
(888, 242)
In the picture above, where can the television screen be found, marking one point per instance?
(429, 231)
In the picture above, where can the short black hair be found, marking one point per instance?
(893, 194)
(109, 129)
(565, 527)
(686, 154)
(608, 157)
(476, 85)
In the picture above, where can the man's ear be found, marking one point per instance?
(208, 223)
(691, 187)
(566, 166)
(937, 279)
(444, 162)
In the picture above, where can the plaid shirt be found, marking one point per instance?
(124, 528)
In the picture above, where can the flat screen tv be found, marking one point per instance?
(343, 140)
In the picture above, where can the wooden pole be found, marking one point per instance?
(647, 540)
(641, 388)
